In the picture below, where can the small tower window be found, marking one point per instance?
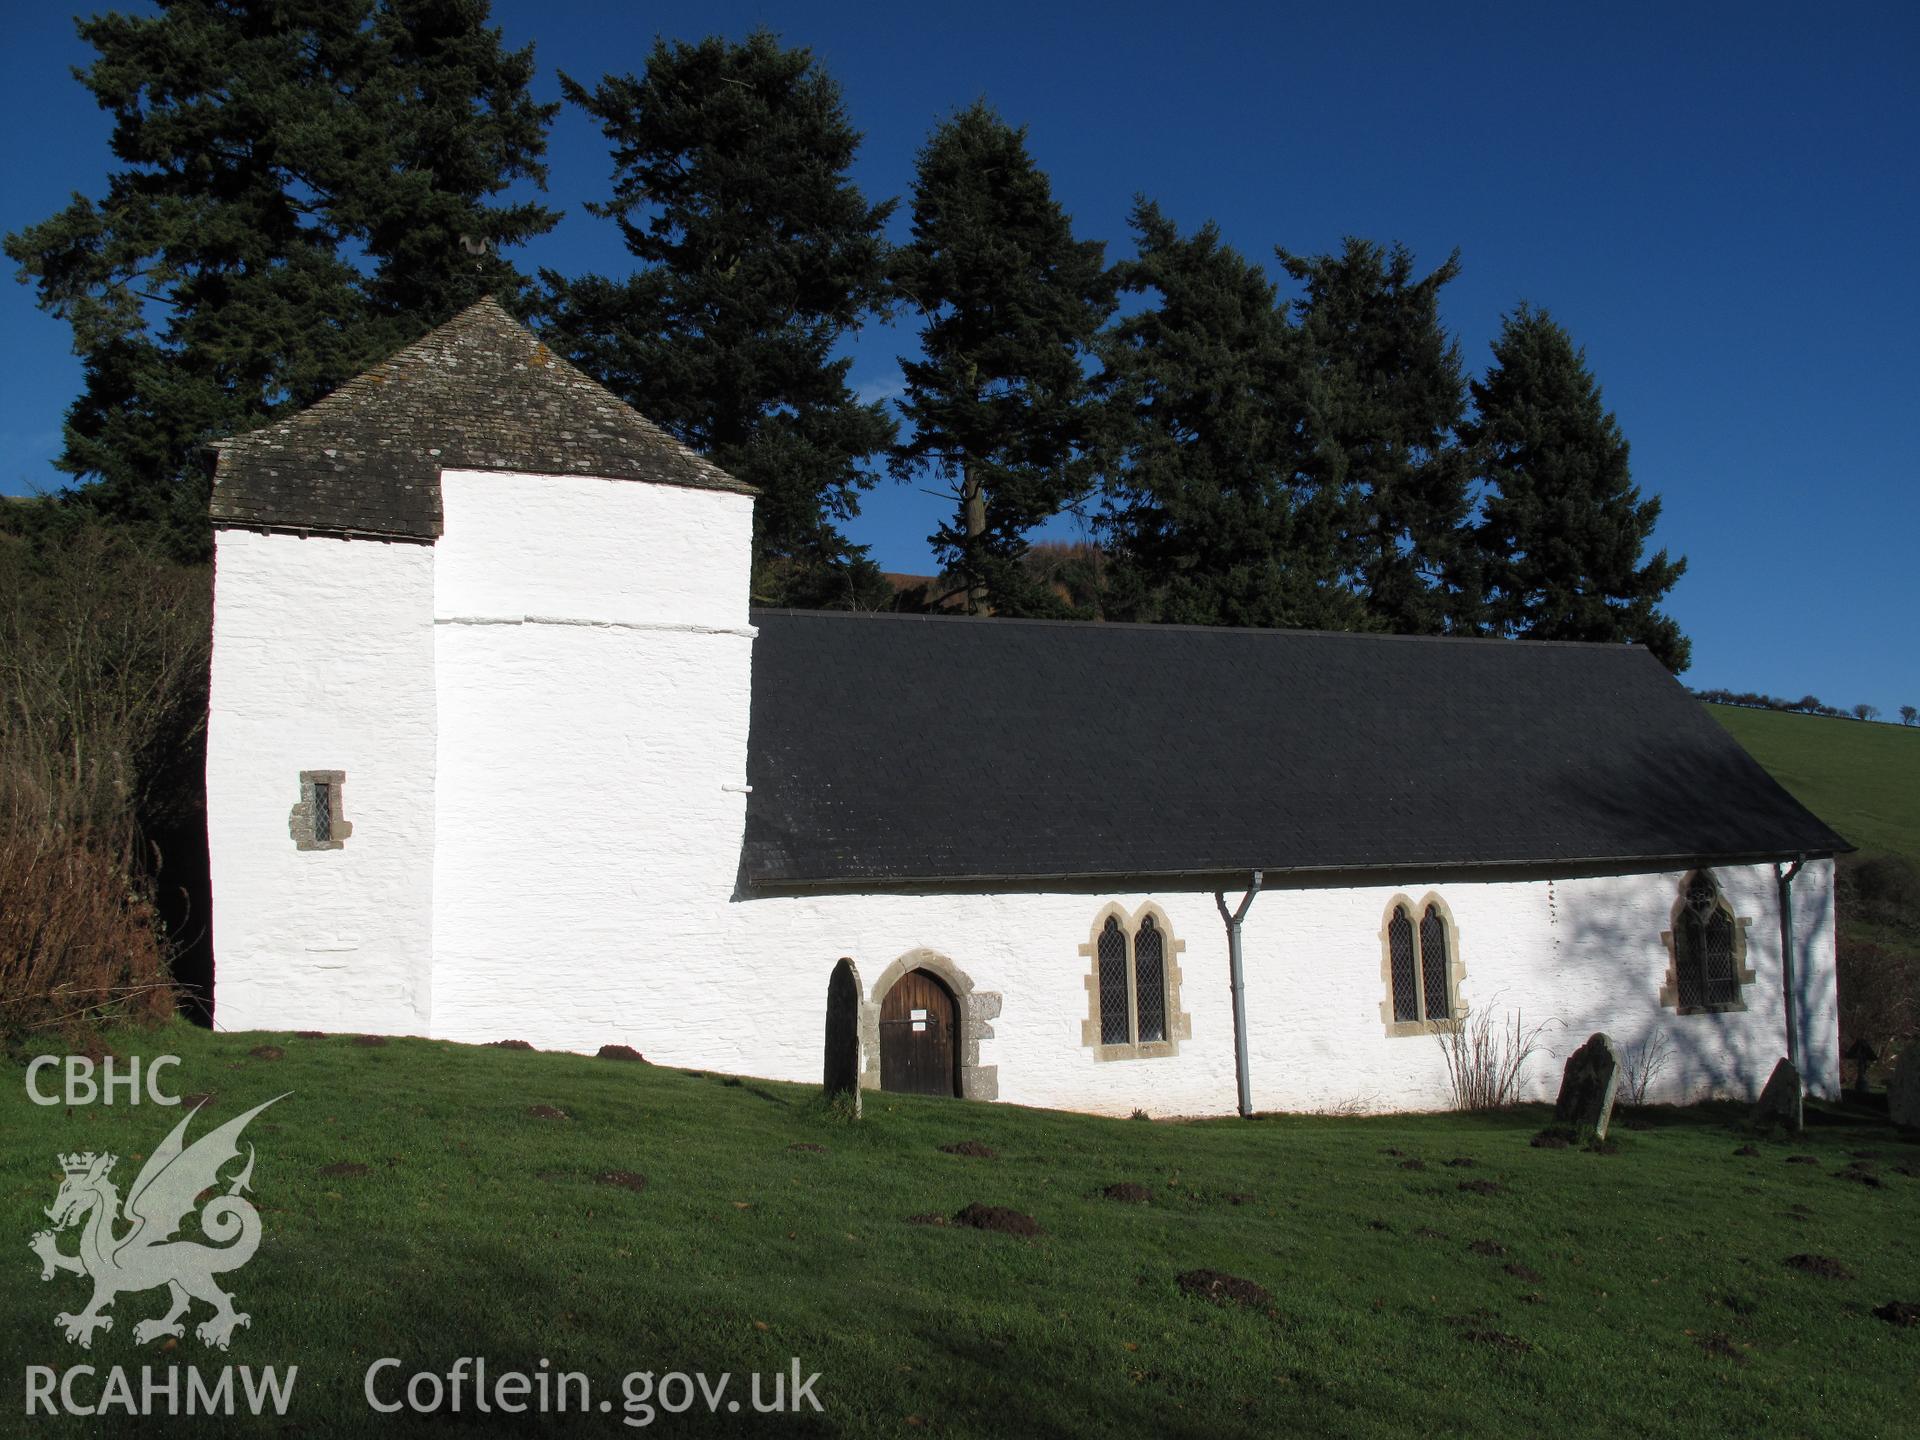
(317, 821)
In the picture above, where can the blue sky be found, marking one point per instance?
(1717, 200)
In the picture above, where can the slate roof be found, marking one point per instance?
(895, 749)
(482, 392)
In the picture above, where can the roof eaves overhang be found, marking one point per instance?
(331, 532)
(1277, 876)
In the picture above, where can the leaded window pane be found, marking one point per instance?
(1700, 892)
(1406, 995)
(1705, 968)
(1433, 963)
(1722, 987)
(1150, 974)
(1689, 958)
(322, 811)
(1113, 984)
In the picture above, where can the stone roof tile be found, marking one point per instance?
(481, 392)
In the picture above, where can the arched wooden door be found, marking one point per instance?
(919, 1036)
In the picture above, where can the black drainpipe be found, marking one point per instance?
(1784, 878)
(1233, 919)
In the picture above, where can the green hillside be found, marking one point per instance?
(1417, 1275)
(1864, 780)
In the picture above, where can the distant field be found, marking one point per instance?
(1864, 780)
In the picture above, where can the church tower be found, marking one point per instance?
(481, 679)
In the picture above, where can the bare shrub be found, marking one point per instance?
(103, 680)
(1486, 1061)
(1881, 889)
(79, 942)
(1879, 989)
(1350, 1106)
(1877, 898)
(1642, 1063)
(103, 666)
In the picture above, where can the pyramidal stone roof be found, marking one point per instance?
(482, 392)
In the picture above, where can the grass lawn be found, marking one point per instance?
(1644, 1292)
(1864, 780)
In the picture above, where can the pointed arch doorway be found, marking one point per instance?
(973, 1014)
(920, 1036)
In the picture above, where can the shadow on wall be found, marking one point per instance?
(184, 894)
(1716, 1055)
(1730, 1053)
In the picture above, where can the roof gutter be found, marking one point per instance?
(1624, 864)
(1783, 877)
(1237, 974)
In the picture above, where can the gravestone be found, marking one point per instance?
(1587, 1086)
(1780, 1102)
(1903, 1095)
(841, 1074)
(1862, 1055)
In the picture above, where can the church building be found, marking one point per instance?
(499, 748)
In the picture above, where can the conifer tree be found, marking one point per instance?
(1564, 528)
(998, 400)
(757, 256)
(303, 186)
(1390, 396)
(1215, 516)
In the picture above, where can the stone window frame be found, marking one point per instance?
(1743, 973)
(1179, 1023)
(1456, 968)
(975, 1010)
(300, 818)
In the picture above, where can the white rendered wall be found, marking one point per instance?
(593, 669)
(642, 957)
(576, 548)
(1579, 955)
(322, 660)
(593, 673)
(543, 719)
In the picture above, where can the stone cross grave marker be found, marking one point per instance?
(1862, 1055)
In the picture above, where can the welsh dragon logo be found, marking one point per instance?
(176, 1177)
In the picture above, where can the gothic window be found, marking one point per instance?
(1149, 981)
(1706, 950)
(1421, 964)
(1433, 966)
(1406, 993)
(1134, 987)
(1115, 1025)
